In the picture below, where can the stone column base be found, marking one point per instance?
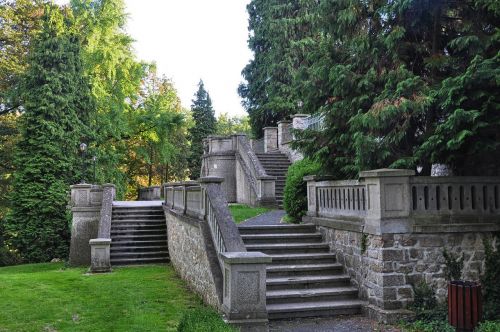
(388, 316)
(100, 257)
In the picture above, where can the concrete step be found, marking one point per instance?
(297, 259)
(118, 208)
(144, 222)
(285, 248)
(139, 261)
(139, 238)
(141, 226)
(137, 216)
(311, 295)
(314, 309)
(281, 238)
(307, 282)
(135, 232)
(277, 271)
(151, 254)
(277, 229)
(161, 242)
(139, 249)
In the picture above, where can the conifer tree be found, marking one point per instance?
(204, 125)
(55, 99)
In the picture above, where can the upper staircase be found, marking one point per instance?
(138, 235)
(276, 164)
(304, 278)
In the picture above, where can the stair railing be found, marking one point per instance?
(100, 260)
(262, 184)
(205, 200)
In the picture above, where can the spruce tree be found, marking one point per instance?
(204, 125)
(55, 99)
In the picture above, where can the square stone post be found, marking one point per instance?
(284, 135)
(298, 121)
(244, 289)
(270, 139)
(86, 200)
(99, 249)
(266, 189)
(389, 200)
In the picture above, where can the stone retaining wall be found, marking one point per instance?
(193, 257)
(385, 267)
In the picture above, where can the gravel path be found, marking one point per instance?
(330, 324)
(269, 218)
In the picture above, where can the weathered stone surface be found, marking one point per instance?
(189, 255)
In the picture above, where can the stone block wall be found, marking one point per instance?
(222, 164)
(385, 267)
(190, 255)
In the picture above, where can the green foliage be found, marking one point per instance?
(55, 99)
(488, 326)
(295, 193)
(227, 125)
(399, 83)
(69, 299)
(204, 125)
(453, 266)
(425, 304)
(278, 39)
(7, 256)
(425, 326)
(201, 320)
(489, 281)
(364, 241)
(242, 212)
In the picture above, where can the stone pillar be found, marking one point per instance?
(389, 200)
(298, 121)
(244, 289)
(270, 139)
(86, 200)
(284, 134)
(100, 255)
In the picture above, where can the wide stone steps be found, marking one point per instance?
(314, 309)
(288, 238)
(311, 295)
(289, 248)
(304, 278)
(138, 235)
(276, 164)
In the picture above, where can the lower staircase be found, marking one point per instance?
(138, 235)
(304, 279)
(276, 164)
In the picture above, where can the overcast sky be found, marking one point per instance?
(191, 40)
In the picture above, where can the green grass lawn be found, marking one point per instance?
(241, 212)
(49, 297)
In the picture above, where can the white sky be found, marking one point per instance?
(193, 39)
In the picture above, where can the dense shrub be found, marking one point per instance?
(202, 320)
(7, 256)
(453, 265)
(425, 305)
(432, 326)
(295, 195)
(488, 326)
(490, 284)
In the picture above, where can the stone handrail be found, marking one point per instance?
(152, 193)
(100, 247)
(206, 201)
(397, 201)
(262, 184)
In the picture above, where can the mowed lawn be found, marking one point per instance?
(242, 212)
(50, 297)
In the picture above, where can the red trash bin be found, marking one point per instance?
(465, 308)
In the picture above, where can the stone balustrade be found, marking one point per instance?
(233, 159)
(389, 228)
(152, 193)
(206, 249)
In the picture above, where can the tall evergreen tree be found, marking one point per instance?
(204, 125)
(55, 99)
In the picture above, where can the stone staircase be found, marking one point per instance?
(138, 235)
(276, 164)
(304, 279)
